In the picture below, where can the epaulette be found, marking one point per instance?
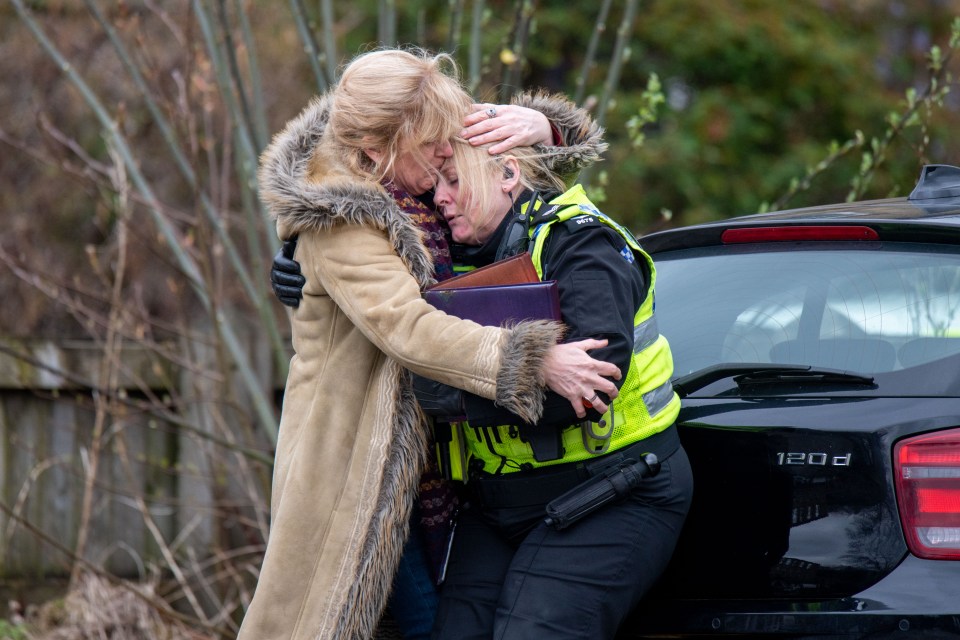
(584, 221)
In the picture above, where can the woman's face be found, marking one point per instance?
(466, 227)
(415, 171)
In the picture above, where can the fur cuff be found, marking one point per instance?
(520, 383)
(582, 137)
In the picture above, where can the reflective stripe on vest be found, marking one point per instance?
(645, 334)
(646, 404)
(658, 399)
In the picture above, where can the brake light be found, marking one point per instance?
(783, 234)
(928, 493)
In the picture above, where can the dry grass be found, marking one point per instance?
(97, 609)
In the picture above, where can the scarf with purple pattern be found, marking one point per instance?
(436, 233)
(436, 499)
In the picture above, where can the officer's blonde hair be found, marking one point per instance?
(396, 100)
(479, 175)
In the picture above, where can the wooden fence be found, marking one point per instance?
(155, 480)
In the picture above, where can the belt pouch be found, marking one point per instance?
(545, 442)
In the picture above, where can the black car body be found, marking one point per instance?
(817, 352)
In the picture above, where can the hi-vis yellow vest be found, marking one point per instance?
(646, 404)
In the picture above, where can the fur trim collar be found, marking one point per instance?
(306, 187)
(582, 137)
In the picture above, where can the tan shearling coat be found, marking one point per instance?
(352, 440)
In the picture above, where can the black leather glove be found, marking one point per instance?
(285, 275)
(439, 400)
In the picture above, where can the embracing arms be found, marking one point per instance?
(354, 270)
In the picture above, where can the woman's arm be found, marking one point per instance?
(509, 125)
(360, 271)
(540, 118)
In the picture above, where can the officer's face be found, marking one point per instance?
(468, 225)
(446, 195)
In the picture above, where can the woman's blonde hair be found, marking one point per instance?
(395, 100)
(479, 175)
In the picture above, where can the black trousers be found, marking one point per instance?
(579, 583)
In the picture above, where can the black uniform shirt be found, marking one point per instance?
(600, 292)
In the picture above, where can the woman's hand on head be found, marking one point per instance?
(572, 373)
(507, 125)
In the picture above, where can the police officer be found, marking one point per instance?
(511, 574)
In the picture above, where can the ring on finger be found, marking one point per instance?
(491, 112)
(594, 397)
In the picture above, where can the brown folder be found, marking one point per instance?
(517, 269)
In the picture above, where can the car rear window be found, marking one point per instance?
(863, 307)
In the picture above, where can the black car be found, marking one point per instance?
(817, 352)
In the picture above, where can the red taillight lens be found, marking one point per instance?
(783, 234)
(928, 493)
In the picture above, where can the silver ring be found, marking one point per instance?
(492, 112)
(595, 396)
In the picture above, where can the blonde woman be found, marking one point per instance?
(352, 441)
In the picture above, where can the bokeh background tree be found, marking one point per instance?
(130, 133)
(755, 94)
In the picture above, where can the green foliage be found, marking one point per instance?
(650, 101)
(914, 112)
(757, 96)
(597, 189)
(12, 631)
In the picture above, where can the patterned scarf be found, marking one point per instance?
(436, 233)
(436, 499)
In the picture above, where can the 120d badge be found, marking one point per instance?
(813, 459)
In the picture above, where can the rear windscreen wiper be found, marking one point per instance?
(685, 385)
(753, 373)
(812, 374)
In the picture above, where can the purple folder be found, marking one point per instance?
(497, 305)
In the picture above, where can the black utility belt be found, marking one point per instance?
(540, 485)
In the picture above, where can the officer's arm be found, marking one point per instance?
(439, 400)
(285, 276)
(600, 292)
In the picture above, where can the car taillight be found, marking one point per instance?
(784, 234)
(928, 493)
